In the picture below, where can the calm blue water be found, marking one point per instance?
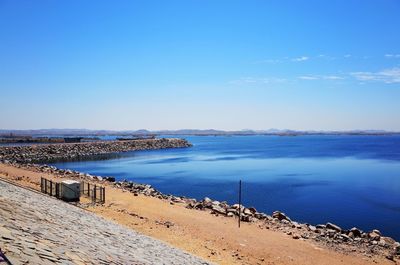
(348, 180)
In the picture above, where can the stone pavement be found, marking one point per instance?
(37, 229)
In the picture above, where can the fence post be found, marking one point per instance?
(51, 188)
(240, 202)
(94, 192)
(45, 186)
(104, 195)
(58, 190)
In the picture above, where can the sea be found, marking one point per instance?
(349, 180)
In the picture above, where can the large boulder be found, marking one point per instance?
(355, 232)
(218, 209)
(374, 235)
(333, 227)
(280, 216)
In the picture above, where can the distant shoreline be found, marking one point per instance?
(92, 134)
(24, 139)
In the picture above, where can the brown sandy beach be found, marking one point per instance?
(214, 238)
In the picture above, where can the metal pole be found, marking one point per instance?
(94, 192)
(240, 201)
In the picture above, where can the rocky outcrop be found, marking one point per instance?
(78, 151)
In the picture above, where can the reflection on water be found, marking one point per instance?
(349, 180)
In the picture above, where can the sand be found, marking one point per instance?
(214, 238)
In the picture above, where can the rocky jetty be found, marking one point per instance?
(78, 151)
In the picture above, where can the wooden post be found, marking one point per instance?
(240, 201)
(45, 186)
(104, 195)
(94, 192)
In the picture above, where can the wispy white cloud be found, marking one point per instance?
(347, 56)
(308, 77)
(333, 77)
(392, 55)
(388, 76)
(258, 80)
(321, 77)
(284, 60)
(300, 59)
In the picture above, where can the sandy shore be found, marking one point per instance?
(214, 238)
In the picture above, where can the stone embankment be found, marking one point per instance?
(77, 151)
(37, 229)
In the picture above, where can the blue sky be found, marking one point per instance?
(321, 65)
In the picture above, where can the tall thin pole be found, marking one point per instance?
(240, 201)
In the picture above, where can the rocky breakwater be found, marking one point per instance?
(77, 151)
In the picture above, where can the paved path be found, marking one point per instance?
(37, 229)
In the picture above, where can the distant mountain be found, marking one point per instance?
(87, 132)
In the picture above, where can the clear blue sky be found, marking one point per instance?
(323, 65)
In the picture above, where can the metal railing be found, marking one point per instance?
(50, 187)
(93, 191)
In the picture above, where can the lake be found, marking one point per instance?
(347, 180)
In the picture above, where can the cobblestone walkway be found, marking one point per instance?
(36, 229)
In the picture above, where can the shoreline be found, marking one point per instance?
(370, 245)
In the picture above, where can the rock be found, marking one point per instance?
(346, 237)
(247, 212)
(218, 209)
(376, 231)
(295, 236)
(334, 227)
(397, 248)
(231, 210)
(280, 216)
(230, 214)
(374, 235)
(260, 216)
(247, 218)
(312, 228)
(355, 232)
(252, 210)
(390, 257)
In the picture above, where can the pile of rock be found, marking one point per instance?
(352, 240)
(77, 151)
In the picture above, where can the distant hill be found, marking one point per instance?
(87, 132)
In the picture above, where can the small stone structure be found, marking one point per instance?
(70, 190)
